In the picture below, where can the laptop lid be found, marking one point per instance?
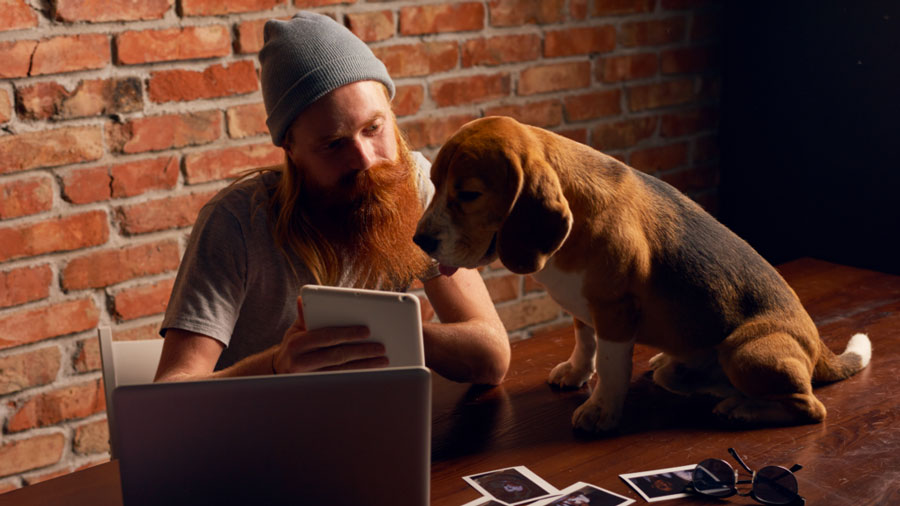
(354, 437)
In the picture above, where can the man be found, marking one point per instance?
(342, 211)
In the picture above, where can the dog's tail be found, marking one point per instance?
(856, 356)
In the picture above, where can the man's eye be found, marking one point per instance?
(334, 144)
(373, 128)
(467, 196)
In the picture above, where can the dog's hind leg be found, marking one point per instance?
(773, 374)
(696, 373)
(579, 368)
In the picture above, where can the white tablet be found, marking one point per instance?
(393, 318)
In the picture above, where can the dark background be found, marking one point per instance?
(810, 131)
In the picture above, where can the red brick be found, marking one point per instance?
(246, 121)
(16, 58)
(576, 134)
(372, 26)
(503, 288)
(706, 26)
(578, 9)
(15, 15)
(50, 100)
(706, 148)
(70, 53)
(32, 453)
(527, 312)
(134, 178)
(161, 214)
(433, 131)
(689, 122)
(441, 18)
(218, 7)
(532, 286)
(155, 133)
(544, 114)
(35, 324)
(249, 36)
(111, 266)
(213, 82)
(97, 11)
(143, 300)
(408, 99)
(660, 158)
(690, 59)
(522, 12)
(501, 49)
(628, 67)
(653, 96)
(51, 408)
(58, 234)
(614, 7)
(692, 179)
(654, 32)
(226, 163)
(82, 186)
(623, 134)
(170, 44)
(575, 41)
(593, 105)
(555, 77)
(5, 107)
(29, 369)
(50, 148)
(87, 355)
(24, 284)
(424, 58)
(304, 4)
(92, 437)
(25, 196)
(469, 89)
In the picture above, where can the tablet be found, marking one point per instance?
(394, 319)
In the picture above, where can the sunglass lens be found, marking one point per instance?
(714, 477)
(775, 485)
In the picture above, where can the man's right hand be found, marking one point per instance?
(326, 349)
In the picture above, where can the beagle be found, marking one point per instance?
(633, 260)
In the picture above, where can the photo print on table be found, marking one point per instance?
(661, 484)
(582, 494)
(512, 486)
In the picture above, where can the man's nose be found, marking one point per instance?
(364, 155)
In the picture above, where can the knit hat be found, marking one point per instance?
(307, 57)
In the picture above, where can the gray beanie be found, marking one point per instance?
(305, 58)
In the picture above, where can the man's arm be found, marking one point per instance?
(189, 355)
(470, 344)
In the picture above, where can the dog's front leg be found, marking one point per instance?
(575, 371)
(603, 409)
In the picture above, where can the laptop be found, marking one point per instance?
(351, 437)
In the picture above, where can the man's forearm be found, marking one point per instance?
(471, 351)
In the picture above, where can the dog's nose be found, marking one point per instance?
(426, 242)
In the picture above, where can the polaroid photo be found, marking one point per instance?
(581, 493)
(484, 501)
(661, 484)
(511, 486)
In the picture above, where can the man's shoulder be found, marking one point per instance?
(243, 195)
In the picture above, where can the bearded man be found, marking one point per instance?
(341, 211)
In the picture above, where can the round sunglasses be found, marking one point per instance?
(770, 485)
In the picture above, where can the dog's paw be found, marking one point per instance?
(657, 361)
(567, 375)
(590, 417)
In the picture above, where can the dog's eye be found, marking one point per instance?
(467, 196)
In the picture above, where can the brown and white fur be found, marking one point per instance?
(633, 260)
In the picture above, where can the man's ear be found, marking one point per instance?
(538, 222)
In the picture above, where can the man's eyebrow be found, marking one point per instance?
(331, 136)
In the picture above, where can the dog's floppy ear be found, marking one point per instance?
(538, 222)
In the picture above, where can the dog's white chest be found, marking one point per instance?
(566, 288)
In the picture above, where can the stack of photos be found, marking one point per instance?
(518, 486)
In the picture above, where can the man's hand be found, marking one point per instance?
(326, 349)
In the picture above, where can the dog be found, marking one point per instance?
(633, 260)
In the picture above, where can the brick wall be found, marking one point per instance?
(120, 119)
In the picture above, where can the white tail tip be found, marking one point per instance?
(860, 345)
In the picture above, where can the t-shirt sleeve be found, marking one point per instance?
(211, 282)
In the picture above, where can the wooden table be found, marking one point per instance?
(853, 458)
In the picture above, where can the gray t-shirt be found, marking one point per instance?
(234, 284)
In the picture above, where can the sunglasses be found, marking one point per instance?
(770, 485)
